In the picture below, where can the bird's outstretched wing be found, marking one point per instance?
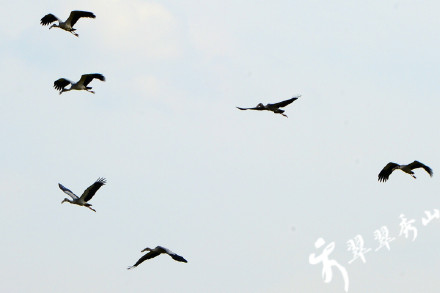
(386, 171)
(417, 164)
(177, 257)
(283, 103)
(68, 191)
(61, 83)
(90, 192)
(149, 255)
(87, 78)
(49, 18)
(76, 14)
(173, 255)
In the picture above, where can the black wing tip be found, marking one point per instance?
(48, 19)
(97, 76)
(90, 14)
(61, 83)
(101, 180)
(179, 258)
(383, 176)
(85, 13)
(429, 170)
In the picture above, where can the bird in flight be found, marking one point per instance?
(390, 167)
(155, 252)
(61, 83)
(273, 107)
(86, 196)
(69, 23)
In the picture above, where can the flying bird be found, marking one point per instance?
(69, 23)
(155, 252)
(86, 196)
(273, 107)
(390, 167)
(61, 83)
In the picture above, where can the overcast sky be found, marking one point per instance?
(242, 195)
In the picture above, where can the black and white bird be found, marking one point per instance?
(69, 23)
(390, 167)
(86, 196)
(61, 83)
(273, 107)
(155, 252)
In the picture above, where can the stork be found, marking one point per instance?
(390, 167)
(273, 107)
(155, 252)
(61, 83)
(69, 23)
(86, 196)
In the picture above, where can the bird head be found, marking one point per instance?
(53, 25)
(146, 249)
(260, 106)
(64, 200)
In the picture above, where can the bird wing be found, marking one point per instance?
(386, 171)
(76, 14)
(283, 103)
(255, 108)
(87, 78)
(149, 255)
(90, 192)
(61, 83)
(173, 255)
(68, 191)
(47, 19)
(417, 164)
(177, 257)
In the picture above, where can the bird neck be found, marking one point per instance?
(68, 200)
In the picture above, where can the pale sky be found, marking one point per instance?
(242, 195)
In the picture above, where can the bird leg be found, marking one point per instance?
(92, 209)
(91, 91)
(284, 115)
(413, 176)
(75, 34)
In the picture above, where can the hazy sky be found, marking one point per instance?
(243, 196)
